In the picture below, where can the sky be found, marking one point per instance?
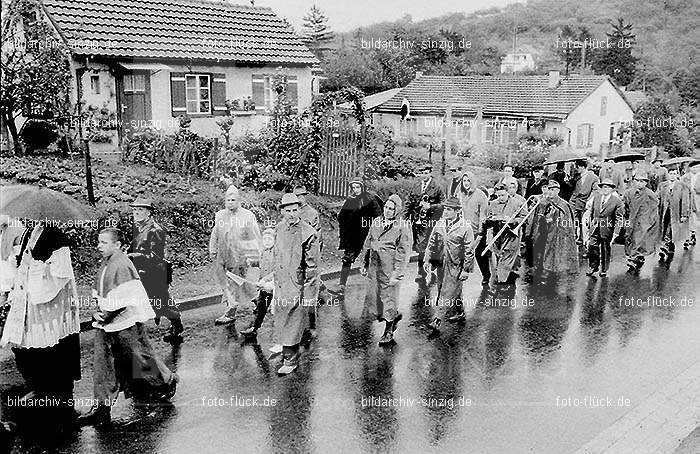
(344, 15)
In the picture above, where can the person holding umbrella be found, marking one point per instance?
(147, 252)
(387, 251)
(641, 221)
(43, 323)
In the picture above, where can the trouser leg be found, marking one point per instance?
(263, 302)
(290, 353)
(105, 383)
(483, 262)
(594, 252)
(605, 253)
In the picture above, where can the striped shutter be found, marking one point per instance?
(293, 91)
(218, 94)
(178, 101)
(259, 92)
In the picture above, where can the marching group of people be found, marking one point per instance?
(547, 224)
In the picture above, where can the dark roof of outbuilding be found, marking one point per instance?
(177, 29)
(498, 95)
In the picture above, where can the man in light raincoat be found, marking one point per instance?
(450, 251)
(506, 249)
(296, 254)
(387, 251)
(234, 246)
(674, 213)
(641, 221)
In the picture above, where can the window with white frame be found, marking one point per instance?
(134, 83)
(95, 85)
(584, 135)
(198, 93)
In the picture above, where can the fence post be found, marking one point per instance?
(88, 172)
(442, 167)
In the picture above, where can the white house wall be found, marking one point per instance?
(238, 85)
(589, 112)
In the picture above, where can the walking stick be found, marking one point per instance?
(505, 226)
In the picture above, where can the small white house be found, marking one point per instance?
(587, 111)
(148, 62)
(515, 62)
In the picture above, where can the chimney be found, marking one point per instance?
(418, 74)
(553, 79)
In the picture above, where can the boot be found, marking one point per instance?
(396, 321)
(96, 416)
(388, 336)
(174, 334)
(434, 328)
(228, 317)
(251, 331)
(344, 274)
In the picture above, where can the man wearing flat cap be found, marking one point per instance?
(296, 255)
(506, 249)
(450, 252)
(147, 253)
(234, 247)
(552, 235)
(605, 214)
(641, 221)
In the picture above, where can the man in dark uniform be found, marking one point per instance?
(536, 182)
(147, 253)
(429, 212)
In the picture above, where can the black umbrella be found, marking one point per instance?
(562, 155)
(43, 204)
(627, 156)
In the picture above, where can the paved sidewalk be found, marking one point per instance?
(659, 424)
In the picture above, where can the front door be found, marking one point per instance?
(134, 90)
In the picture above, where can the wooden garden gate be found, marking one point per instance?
(341, 159)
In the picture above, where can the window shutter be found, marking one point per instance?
(177, 94)
(259, 92)
(292, 91)
(218, 94)
(579, 136)
(590, 135)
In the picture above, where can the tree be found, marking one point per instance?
(615, 59)
(36, 75)
(315, 31)
(570, 47)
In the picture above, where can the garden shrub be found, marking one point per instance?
(37, 134)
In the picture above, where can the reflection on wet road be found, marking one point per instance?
(530, 370)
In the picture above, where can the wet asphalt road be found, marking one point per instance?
(499, 383)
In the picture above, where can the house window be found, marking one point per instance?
(584, 136)
(603, 105)
(95, 85)
(134, 83)
(198, 93)
(269, 92)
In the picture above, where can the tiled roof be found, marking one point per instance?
(177, 29)
(372, 101)
(499, 95)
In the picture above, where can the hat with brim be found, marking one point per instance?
(500, 187)
(357, 180)
(607, 182)
(452, 202)
(300, 190)
(142, 203)
(641, 175)
(553, 184)
(289, 199)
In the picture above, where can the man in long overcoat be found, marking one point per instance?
(387, 251)
(296, 254)
(674, 213)
(430, 210)
(354, 220)
(641, 221)
(605, 214)
(147, 253)
(450, 251)
(551, 233)
(234, 247)
(586, 183)
(475, 205)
